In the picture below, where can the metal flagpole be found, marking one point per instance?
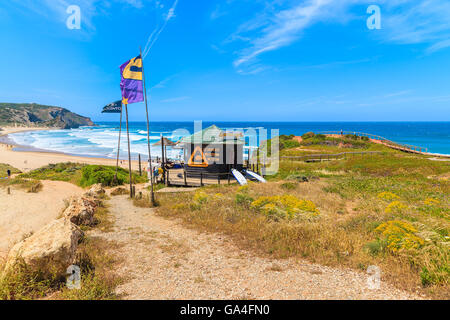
(118, 148)
(148, 132)
(129, 154)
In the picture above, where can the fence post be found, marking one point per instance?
(201, 179)
(229, 177)
(185, 179)
(140, 167)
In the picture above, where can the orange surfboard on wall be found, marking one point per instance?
(198, 159)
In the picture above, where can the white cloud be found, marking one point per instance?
(403, 22)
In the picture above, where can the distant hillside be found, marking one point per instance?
(40, 115)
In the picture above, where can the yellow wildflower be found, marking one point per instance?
(388, 196)
(395, 207)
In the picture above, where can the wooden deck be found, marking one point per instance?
(177, 177)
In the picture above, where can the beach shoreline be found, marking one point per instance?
(30, 158)
(27, 158)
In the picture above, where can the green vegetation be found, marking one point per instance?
(21, 283)
(30, 185)
(391, 210)
(105, 175)
(98, 279)
(84, 175)
(40, 115)
(4, 170)
(67, 172)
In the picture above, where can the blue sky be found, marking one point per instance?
(245, 60)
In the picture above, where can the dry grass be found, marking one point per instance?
(98, 278)
(120, 191)
(343, 234)
(144, 201)
(95, 259)
(29, 185)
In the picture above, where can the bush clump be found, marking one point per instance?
(308, 135)
(399, 235)
(395, 207)
(285, 207)
(243, 199)
(388, 196)
(68, 172)
(94, 174)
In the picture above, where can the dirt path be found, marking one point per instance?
(165, 260)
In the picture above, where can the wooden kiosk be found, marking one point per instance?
(212, 153)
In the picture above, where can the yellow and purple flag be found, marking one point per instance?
(131, 83)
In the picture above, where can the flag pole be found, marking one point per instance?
(129, 153)
(118, 147)
(148, 132)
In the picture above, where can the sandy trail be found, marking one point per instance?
(22, 212)
(165, 260)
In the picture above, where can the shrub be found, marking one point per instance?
(431, 202)
(144, 202)
(200, 197)
(180, 206)
(94, 174)
(285, 207)
(395, 207)
(399, 235)
(308, 135)
(69, 172)
(388, 196)
(243, 188)
(243, 199)
(21, 283)
(289, 186)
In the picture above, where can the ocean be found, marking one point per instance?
(101, 141)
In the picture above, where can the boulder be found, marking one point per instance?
(49, 251)
(95, 191)
(81, 211)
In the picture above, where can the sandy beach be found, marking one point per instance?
(30, 160)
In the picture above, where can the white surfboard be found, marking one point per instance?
(255, 176)
(239, 177)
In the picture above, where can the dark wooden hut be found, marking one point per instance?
(212, 152)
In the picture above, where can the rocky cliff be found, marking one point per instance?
(40, 115)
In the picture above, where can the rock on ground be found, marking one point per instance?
(81, 211)
(95, 191)
(51, 250)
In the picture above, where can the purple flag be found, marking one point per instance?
(131, 83)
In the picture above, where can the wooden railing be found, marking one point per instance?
(329, 157)
(389, 143)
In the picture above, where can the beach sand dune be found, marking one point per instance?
(22, 213)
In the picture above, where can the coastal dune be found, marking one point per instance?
(23, 213)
